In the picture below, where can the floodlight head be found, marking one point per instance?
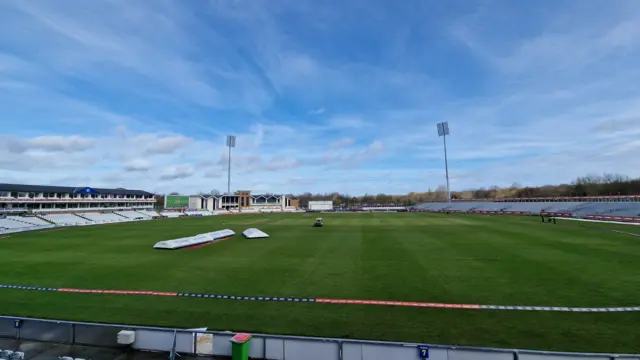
(443, 128)
(231, 141)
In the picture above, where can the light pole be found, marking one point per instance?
(231, 143)
(443, 131)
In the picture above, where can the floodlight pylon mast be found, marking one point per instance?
(443, 131)
(231, 143)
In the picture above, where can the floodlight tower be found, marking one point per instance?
(443, 131)
(231, 143)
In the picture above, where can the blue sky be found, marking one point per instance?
(323, 96)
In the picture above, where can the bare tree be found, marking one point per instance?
(441, 193)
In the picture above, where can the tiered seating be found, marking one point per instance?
(270, 210)
(489, 206)
(532, 207)
(563, 207)
(30, 220)
(102, 218)
(131, 215)
(627, 212)
(171, 214)
(66, 219)
(462, 206)
(431, 206)
(620, 209)
(8, 224)
(147, 213)
(199, 213)
(576, 208)
(591, 208)
(379, 208)
(11, 355)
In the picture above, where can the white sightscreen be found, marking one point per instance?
(321, 205)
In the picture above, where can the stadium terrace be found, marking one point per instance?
(42, 198)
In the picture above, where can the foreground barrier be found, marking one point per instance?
(261, 346)
(477, 212)
(557, 214)
(613, 218)
(500, 212)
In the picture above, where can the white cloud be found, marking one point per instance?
(167, 145)
(67, 144)
(300, 181)
(177, 172)
(280, 163)
(137, 164)
(346, 122)
(344, 142)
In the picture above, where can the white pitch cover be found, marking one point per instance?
(254, 233)
(194, 240)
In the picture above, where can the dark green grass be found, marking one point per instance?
(409, 257)
(595, 225)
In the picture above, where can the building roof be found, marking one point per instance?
(67, 189)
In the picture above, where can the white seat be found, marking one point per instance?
(66, 219)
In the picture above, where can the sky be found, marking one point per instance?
(323, 96)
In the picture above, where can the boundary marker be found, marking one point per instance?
(327, 301)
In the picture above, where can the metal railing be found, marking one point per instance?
(262, 346)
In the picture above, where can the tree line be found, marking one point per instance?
(590, 185)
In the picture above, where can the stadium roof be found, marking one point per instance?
(67, 189)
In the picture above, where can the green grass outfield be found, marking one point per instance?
(500, 260)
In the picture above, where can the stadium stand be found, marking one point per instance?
(67, 219)
(131, 215)
(199, 213)
(102, 218)
(534, 208)
(10, 224)
(171, 214)
(598, 210)
(47, 199)
(383, 208)
(148, 213)
(30, 220)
